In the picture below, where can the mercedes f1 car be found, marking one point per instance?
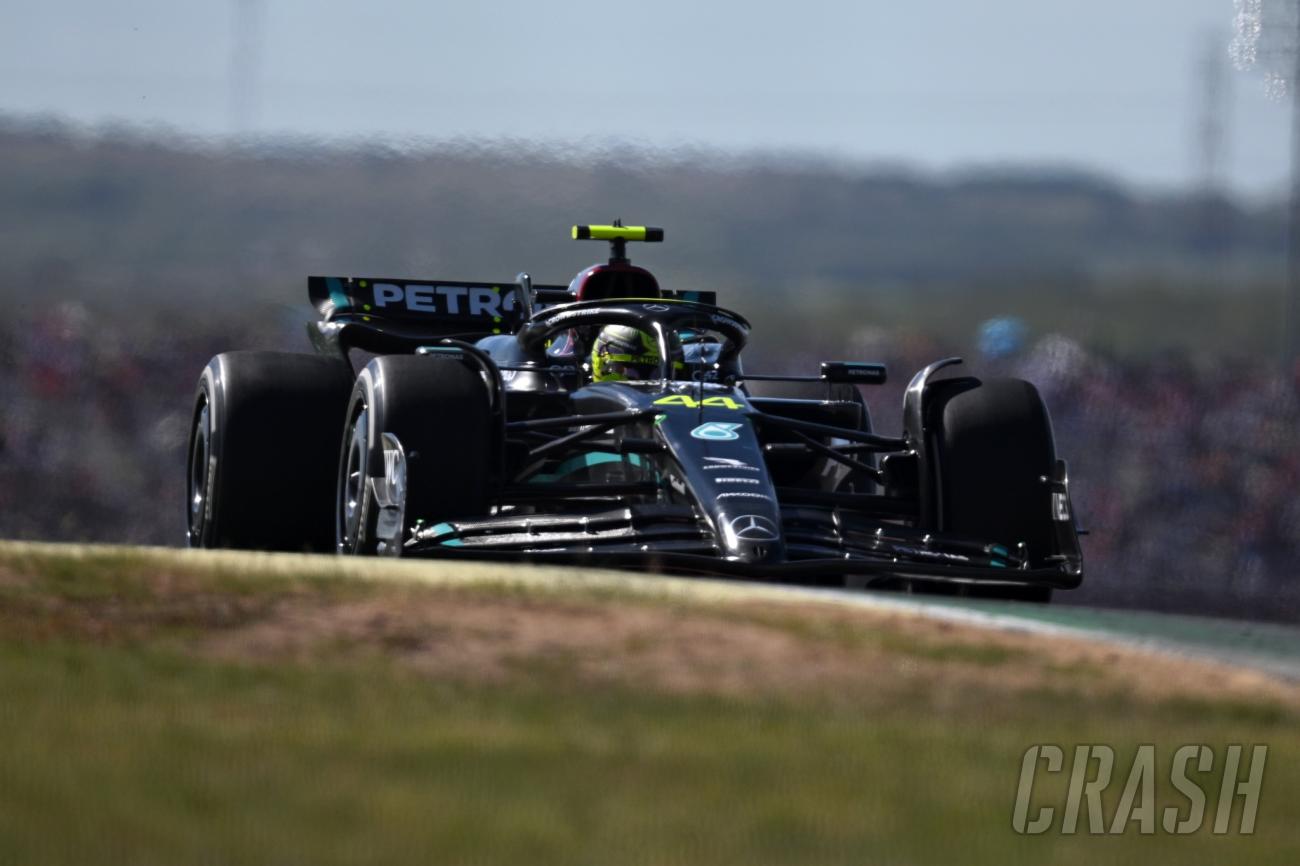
(468, 419)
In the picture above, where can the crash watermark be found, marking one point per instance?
(1200, 781)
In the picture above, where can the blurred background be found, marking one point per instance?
(1093, 195)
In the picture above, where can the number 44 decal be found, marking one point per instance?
(691, 403)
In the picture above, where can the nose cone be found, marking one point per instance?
(722, 462)
(752, 537)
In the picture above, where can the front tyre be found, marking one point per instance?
(994, 452)
(433, 417)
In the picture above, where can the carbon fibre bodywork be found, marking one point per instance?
(712, 504)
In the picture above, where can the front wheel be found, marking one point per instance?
(417, 447)
(993, 454)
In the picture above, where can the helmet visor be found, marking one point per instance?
(633, 368)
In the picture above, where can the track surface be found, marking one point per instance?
(1267, 647)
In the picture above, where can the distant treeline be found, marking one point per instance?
(124, 219)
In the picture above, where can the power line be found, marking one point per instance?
(1213, 228)
(1216, 95)
(1267, 41)
(245, 64)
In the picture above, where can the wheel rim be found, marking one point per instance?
(351, 506)
(200, 449)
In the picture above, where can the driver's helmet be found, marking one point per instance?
(623, 353)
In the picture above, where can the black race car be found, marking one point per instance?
(472, 419)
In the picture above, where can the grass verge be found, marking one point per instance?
(164, 707)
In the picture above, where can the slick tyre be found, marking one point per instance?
(263, 446)
(993, 447)
(439, 411)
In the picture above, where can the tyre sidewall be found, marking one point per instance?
(992, 447)
(272, 427)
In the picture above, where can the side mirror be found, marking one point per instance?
(853, 373)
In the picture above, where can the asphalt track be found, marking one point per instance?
(1266, 647)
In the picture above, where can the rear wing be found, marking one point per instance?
(436, 307)
(386, 315)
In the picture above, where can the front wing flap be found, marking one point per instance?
(821, 544)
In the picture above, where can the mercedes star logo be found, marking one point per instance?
(754, 527)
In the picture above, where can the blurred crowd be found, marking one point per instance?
(94, 420)
(1188, 476)
(1186, 471)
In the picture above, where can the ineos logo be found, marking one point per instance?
(754, 527)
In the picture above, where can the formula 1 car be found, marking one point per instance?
(478, 429)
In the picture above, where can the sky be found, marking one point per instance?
(1110, 86)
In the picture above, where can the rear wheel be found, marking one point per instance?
(437, 409)
(263, 442)
(993, 448)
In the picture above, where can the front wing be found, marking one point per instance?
(822, 545)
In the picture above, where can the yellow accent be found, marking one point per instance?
(363, 284)
(365, 307)
(724, 402)
(496, 289)
(691, 403)
(613, 233)
(496, 330)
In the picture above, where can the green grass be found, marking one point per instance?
(125, 742)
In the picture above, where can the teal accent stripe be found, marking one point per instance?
(337, 296)
(447, 529)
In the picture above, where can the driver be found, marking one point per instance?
(621, 353)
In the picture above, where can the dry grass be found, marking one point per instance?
(490, 623)
(163, 707)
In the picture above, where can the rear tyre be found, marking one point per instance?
(439, 410)
(992, 448)
(263, 441)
